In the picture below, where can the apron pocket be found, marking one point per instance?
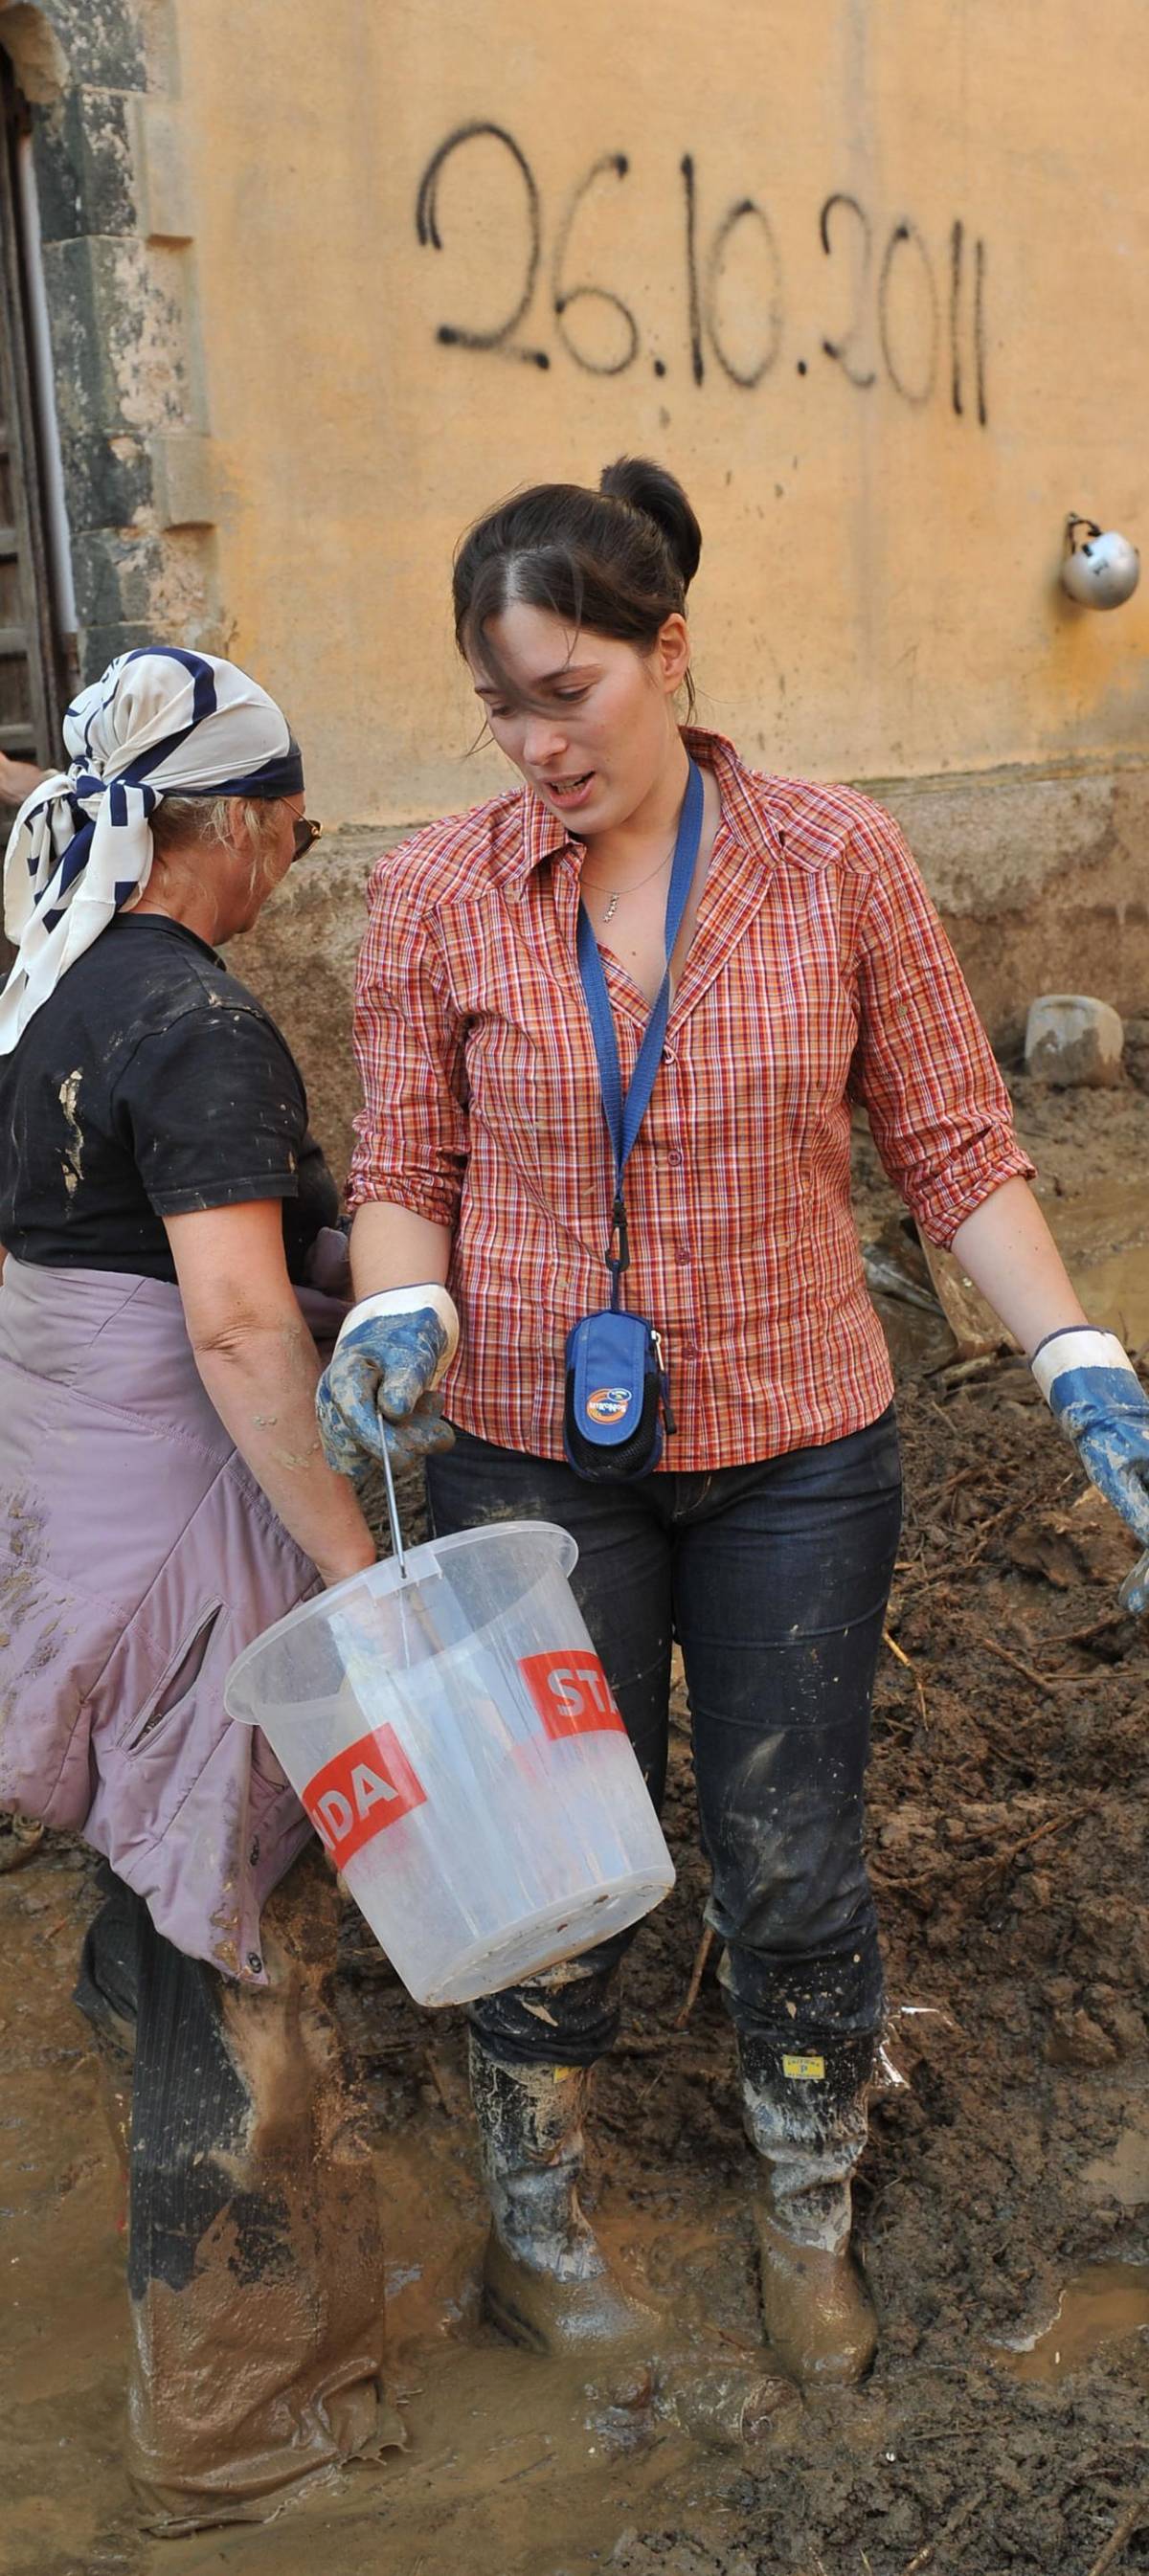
(176, 1682)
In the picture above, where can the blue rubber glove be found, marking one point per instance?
(1094, 1393)
(378, 1385)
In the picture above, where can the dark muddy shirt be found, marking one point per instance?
(151, 1084)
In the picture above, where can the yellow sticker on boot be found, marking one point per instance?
(810, 2070)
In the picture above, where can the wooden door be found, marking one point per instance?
(30, 666)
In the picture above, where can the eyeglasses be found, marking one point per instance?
(305, 834)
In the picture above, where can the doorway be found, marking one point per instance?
(35, 673)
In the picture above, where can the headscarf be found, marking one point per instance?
(161, 722)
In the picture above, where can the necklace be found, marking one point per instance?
(614, 899)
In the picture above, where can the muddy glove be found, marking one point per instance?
(378, 1385)
(1094, 1393)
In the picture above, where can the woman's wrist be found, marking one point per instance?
(345, 1562)
(1077, 1346)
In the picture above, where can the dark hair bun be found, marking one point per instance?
(648, 487)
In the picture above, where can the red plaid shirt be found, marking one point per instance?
(818, 974)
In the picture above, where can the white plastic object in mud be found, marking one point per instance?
(452, 1734)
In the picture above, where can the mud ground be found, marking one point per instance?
(1009, 2163)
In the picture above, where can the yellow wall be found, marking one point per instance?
(877, 595)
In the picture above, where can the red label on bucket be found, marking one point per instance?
(571, 1693)
(367, 1786)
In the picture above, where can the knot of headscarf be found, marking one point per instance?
(161, 722)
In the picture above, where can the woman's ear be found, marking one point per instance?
(238, 834)
(672, 652)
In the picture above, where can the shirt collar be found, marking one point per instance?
(746, 814)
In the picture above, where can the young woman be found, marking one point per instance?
(808, 971)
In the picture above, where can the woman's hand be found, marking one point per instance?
(1094, 1393)
(260, 1367)
(1092, 1389)
(377, 1389)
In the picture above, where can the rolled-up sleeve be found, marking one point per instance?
(938, 1108)
(409, 1047)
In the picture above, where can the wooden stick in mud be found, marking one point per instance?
(701, 1956)
(1136, 2512)
(900, 1653)
(1055, 1825)
(1051, 1682)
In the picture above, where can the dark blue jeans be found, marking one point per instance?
(774, 1579)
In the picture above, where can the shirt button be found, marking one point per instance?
(675, 1156)
(682, 1252)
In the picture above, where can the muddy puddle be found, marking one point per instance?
(1103, 1232)
(514, 2466)
(1004, 2199)
(1107, 2303)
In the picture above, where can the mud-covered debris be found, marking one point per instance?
(20, 1840)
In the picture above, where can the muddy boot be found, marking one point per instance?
(255, 2265)
(805, 2116)
(546, 2282)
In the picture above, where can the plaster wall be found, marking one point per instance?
(868, 276)
(322, 284)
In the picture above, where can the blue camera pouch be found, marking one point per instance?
(616, 1397)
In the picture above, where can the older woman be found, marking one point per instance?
(165, 1214)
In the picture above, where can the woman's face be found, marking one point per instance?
(604, 735)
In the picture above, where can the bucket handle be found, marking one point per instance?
(393, 1513)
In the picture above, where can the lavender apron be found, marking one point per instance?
(137, 1556)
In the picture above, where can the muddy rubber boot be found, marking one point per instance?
(805, 2116)
(546, 2281)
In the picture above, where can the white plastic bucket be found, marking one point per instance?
(454, 1740)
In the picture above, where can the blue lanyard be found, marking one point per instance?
(624, 1116)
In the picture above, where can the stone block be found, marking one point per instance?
(59, 192)
(183, 479)
(161, 171)
(91, 319)
(108, 481)
(99, 645)
(102, 41)
(94, 136)
(41, 64)
(117, 578)
(1071, 1039)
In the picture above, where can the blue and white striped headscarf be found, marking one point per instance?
(161, 722)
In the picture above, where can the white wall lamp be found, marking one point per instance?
(1101, 569)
